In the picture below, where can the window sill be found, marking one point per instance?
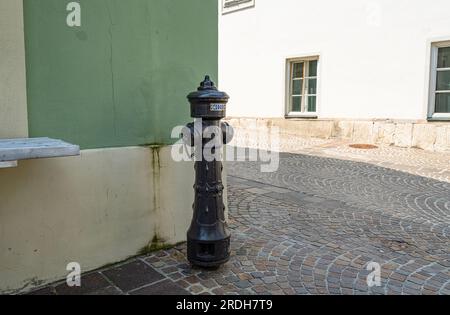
(302, 115)
(441, 118)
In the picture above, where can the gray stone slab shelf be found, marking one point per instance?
(35, 148)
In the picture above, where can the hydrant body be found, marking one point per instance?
(208, 238)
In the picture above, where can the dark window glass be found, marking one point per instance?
(298, 70)
(313, 68)
(312, 104)
(444, 57)
(442, 103)
(296, 103)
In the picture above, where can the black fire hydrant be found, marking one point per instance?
(208, 238)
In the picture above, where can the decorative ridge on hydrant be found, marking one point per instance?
(208, 238)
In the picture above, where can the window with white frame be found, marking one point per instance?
(302, 90)
(440, 81)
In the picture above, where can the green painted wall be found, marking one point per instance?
(122, 77)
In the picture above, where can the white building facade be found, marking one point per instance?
(368, 70)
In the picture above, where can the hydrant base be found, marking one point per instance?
(208, 254)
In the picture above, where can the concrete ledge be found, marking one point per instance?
(34, 148)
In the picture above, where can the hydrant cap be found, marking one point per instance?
(207, 91)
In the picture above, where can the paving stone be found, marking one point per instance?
(175, 276)
(183, 284)
(132, 275)
(169, 270)
(256, 281)
(218, 291)
(184, 266)
(258, 191)
(313, 199)
(398, 277)
(277, 189)
(196, 289)
(333, 280)
(152, 259)
(283, 285)
(192, 279)
(259, 289)
(243, 284)
(289, 291)
(209, 283)
(300, 291)
(232, 279)
(245, 276)
(257, 274)
(222, 281)
(89, 283)
(268, 280)
(107, 291)
(165, 287)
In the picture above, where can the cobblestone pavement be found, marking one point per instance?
(415, 161)
(310, 228)
(434, 165)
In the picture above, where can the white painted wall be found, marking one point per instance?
(102, 207)
(374, 55)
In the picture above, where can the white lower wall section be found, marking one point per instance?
(259, 132)
(100, 208)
